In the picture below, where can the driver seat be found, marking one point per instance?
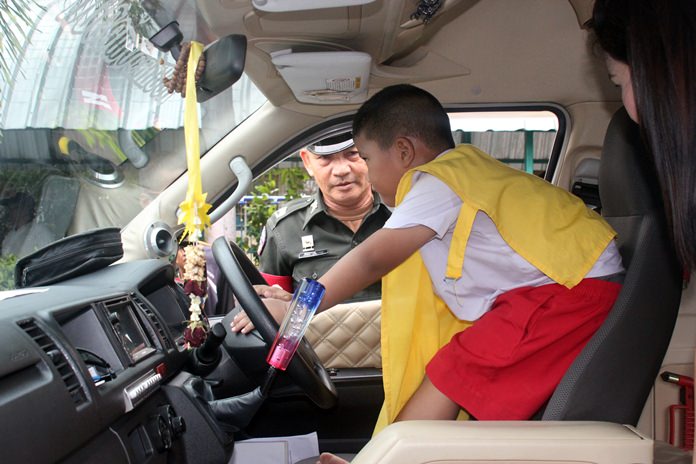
(612, 376)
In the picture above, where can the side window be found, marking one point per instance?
(522, 139)
(285, 182)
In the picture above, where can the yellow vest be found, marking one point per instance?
(549, 227)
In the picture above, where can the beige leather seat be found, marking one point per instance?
(347, 335)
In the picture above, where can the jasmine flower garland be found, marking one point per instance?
(195, 287)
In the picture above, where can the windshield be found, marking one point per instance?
(88, 133)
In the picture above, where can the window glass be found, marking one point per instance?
(89, 135)
(521, 139)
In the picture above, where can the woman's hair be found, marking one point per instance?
(404, 110)
(657, 40)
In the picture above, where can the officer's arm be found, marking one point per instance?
(371, 260)
(271, 262)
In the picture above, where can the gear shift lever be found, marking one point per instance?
(205, 358)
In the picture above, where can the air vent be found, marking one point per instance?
(58, 358)
(154, 321)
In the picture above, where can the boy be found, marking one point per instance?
(471, 242)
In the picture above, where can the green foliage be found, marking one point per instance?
(293, 180)
(259, 209)
(7, 265)
(278, 181)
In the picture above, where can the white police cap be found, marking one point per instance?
(332, 144)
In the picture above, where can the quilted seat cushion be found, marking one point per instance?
(348, 335)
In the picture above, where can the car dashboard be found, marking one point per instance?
(93, 370)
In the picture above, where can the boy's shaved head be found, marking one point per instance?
(404, 111)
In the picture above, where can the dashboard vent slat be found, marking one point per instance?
(154, 320)
(57, 358)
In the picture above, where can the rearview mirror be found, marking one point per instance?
(224, 58)
(224, 65)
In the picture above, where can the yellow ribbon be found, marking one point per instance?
(194, 209)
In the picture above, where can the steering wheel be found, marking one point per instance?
(305, 368)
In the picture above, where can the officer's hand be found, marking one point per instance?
(277, 308)
(264, 291)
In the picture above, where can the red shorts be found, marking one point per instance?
(506, 365)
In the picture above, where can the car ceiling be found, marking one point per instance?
(473, 51)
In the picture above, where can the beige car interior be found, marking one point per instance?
(473, 52)
(347, 335)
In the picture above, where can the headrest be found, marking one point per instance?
(628, 185)
(587, 171)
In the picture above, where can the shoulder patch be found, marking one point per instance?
(262, 242)
(287, 210)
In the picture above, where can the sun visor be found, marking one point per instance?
(327, 78)
(295, 5)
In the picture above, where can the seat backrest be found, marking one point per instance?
(611, 378)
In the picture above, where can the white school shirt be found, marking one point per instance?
(490, 267)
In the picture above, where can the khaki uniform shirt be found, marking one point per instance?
(302, 240)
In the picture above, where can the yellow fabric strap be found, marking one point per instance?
(462, 230)
(194, 209)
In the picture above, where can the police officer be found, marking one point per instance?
(307, 236)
